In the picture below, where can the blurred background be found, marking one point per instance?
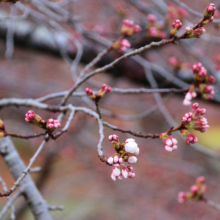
(36, 51)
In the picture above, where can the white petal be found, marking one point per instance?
(125, 173)
(168, 148)
(132, 160)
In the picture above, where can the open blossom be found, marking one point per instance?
(121, 45)
(170, 143)
(129, 28)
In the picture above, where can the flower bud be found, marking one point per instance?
(132, 159)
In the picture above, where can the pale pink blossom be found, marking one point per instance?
(131, 147)
(132, 159)
(110, 160)
(170, 144)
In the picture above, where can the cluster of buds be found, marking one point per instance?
(121, 45)
(35, 119)
(176, 25)
(193, 120)
(170, 143)
(200, 79)
(126, 152)
(155, 29)
(175, 63)
(175, 13)
(128, 28)
(194, 33)
(208, 17)
(52, 124)
(196, 191)
(105, 89)
(2, 129)
(209, 12)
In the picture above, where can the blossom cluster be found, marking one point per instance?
(104, 89)
(200, 79)
(121, 45)
(35, 119)
(193, 120)
(129, 28)
(154, 28)
(126, 152)
(176, 25)
(196, 191)
(208, 17)
(52, 124)
(170, 143)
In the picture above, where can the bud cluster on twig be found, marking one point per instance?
(125, 152)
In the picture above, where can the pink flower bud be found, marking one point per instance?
(211, 79)
(116, 159)
(137, 28)
(182, 197)
(170, 144)
(131, 175)
(120, 160)
(194, 189)
(30, 116)
(151, 18)
(113, 137)
(210, 11)
(191, 139)
(198, 32)
(200, 179)
(153, 32)
(173, 61)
